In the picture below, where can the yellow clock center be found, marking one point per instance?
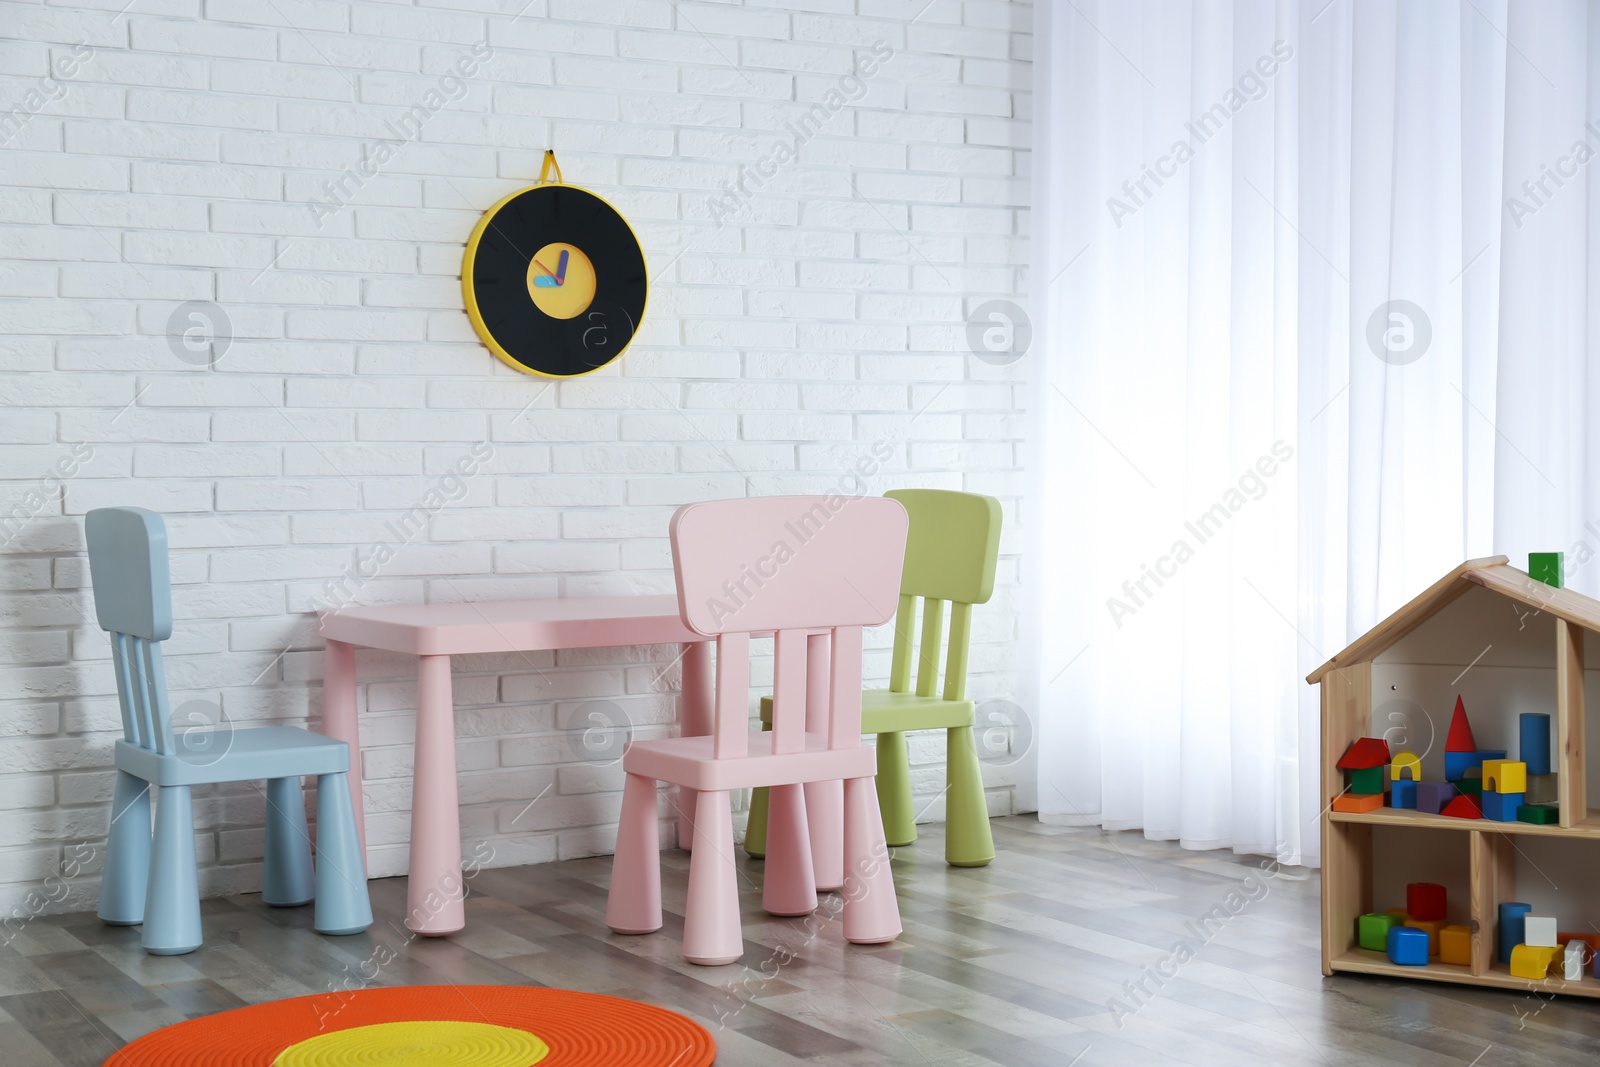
(561, 280)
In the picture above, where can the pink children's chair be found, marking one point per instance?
(796, 567)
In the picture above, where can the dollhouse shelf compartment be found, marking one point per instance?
(1348, 864)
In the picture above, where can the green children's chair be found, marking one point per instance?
(951, 551)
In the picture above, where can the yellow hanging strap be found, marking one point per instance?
(544, 171)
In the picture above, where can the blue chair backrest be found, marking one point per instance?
(133, 600)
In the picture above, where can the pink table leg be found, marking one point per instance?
(339, 719)
(435, 891)
(695, 716)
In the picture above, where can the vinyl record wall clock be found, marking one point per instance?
(554, 279)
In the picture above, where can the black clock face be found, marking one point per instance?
(555, 281)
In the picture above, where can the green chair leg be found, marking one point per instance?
(755, 831)
(894, 790)
(967, 842)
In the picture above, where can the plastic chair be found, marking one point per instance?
(805, 572)
(156, 883)
(950, 555)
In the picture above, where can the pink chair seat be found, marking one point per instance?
(690, 761)
(812, 571)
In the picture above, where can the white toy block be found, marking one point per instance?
(1573, 961)
(1539, 931)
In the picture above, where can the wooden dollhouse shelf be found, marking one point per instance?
(1361, 961)
(1589, 827)
(1533, 632)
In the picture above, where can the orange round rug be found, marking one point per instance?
(431, 1026)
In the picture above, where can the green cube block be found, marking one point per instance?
(1470, 785)
(1541, 814)
(1545, 566)
(1367, 782)
(1373, 930)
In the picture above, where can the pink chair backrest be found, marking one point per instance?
(788, 565)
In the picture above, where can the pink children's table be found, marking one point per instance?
(435, 632)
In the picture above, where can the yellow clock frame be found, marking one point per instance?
(469, 293)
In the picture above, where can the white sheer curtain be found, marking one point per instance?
(1228, 199)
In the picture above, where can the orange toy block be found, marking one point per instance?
(1455, 945)
(1588, 937)
(1433, 928)
(1357, 802)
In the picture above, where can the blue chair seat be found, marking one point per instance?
(205, 757)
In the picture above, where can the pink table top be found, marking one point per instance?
(511, 625)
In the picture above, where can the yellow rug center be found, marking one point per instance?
(417, 1044)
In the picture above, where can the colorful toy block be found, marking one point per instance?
(1572, 960)
(1367, 781)
(1546, 567)
(1372, 930)
(1502, 807)
(1588, 937)
(1460, 738)
(1399, 914)
(1465, 806)
(1543, 789)
(1431, 796)
(1505, 776)
(1455, 945)
(1356, 803)
(1509, 934)
(1363, 753)
(1539, 814)
(1408, 946)
(1431, 927)
(1402, 793)
(1533, 961)
(1405, 765)
(1425, 900)
(1539, 931)
(1533, 741)
(1470, 786)
(1457, 764)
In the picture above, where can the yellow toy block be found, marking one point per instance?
(1455, 945)
(1399, 914)
(1533, 962)
(1505, 776)
(1433, 927)
(1405, 765)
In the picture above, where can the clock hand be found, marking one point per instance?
(561, 268)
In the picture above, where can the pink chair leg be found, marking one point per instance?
(695, 716)
(711, 931)
(634, 903)
(339, 719)
(871, 911)
(825, 820)
(435, 891)
(789, 887)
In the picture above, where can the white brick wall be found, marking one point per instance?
(174, 153)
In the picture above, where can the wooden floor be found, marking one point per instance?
(1037, 959)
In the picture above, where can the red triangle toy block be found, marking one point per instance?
(1460, 738)
(1464, 806)
(1365, 752)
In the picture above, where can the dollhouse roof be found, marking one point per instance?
(1492, 573)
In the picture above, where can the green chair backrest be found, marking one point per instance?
(950, 555)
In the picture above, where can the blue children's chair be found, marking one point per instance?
(158, 885)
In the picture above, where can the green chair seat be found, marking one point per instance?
(951, 553)
(883, 711)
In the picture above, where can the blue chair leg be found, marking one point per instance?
(343, 906)
(127, 868)
(286, 879)
(172, 902)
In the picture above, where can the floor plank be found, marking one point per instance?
(1075, 947)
